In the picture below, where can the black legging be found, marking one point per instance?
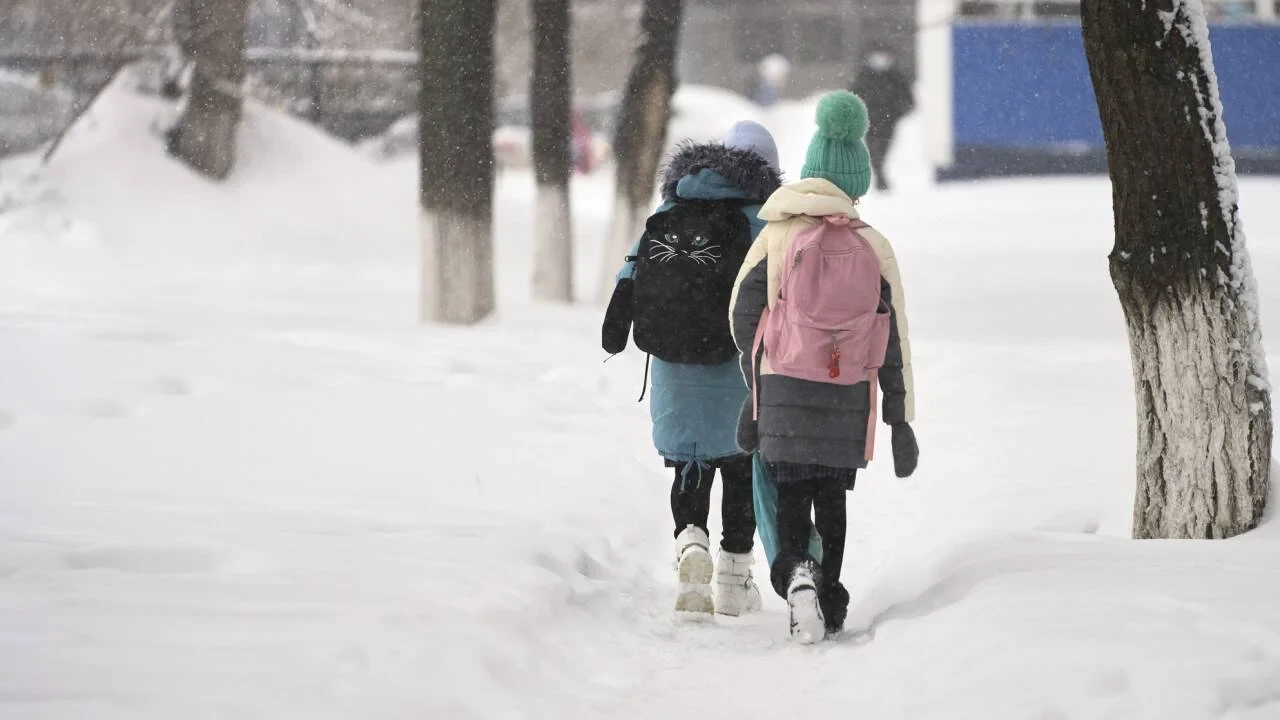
(691, 501)
(826, 498)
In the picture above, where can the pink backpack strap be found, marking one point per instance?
(755, 353)
(873, 379)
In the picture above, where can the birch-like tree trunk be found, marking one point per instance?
(549, 99)
(210, 34)
(456, 146)
(1182, 271)
(642, 130)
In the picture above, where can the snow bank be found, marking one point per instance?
(119, 217)
(113, 169)
(220, 421)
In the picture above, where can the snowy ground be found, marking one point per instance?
(240, 481)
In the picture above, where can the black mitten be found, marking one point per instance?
(617, 318)
(906, 453)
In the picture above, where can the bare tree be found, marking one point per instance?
(1182, 271)
(211, 36)
(642, 129)
(549, 101)
(456, 146)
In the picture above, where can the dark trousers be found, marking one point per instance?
(691, 501)
(825, 497)
(878, 146)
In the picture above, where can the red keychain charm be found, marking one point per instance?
(833, 367)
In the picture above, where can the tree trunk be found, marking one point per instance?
(642, 129)
(456, 146)
(549, 98)
(211, 34)
(1182, 271)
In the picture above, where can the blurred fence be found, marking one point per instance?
(351, 94)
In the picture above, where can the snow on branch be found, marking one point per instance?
(1188, 18)
(376, 56)
(346, 13)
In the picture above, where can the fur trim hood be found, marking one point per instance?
(744, 168)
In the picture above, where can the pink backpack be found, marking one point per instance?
(828, 323)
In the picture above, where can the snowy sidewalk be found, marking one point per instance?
(240, 480)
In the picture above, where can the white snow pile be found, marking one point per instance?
(240, 479)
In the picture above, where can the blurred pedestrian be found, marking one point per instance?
(887, 93)
(771, 78)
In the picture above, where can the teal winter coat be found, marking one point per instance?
(694, 408)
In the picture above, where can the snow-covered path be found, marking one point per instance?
(240, 480)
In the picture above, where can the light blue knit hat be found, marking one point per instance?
(752, 136)
(837, 151)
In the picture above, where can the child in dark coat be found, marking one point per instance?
(812, 435)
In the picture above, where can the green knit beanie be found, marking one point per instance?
(837, 151)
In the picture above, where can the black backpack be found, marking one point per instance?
(677, 305)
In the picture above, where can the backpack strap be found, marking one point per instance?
(873, 375)
(873, 380)
(755, 355)
(644, 384)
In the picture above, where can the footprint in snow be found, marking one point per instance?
(158, 337)
(146, 560)
(106, 409)
(1114, 681)
(461, 368)
(174, 386)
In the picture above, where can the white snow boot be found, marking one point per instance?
(694, 570)
(736, 591)
(807, 623)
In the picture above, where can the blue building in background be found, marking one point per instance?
(1006, 90)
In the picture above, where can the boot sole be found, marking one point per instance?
(807, 625)
(696, 569)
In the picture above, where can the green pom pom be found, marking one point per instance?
(842, 116)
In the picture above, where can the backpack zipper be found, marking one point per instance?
(801, 251)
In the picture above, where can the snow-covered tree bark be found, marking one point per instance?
(1182, 271)
(642, 130)
(456, 152)
(211, 35)
(549, 99)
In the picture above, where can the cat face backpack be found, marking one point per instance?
(676, 306)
